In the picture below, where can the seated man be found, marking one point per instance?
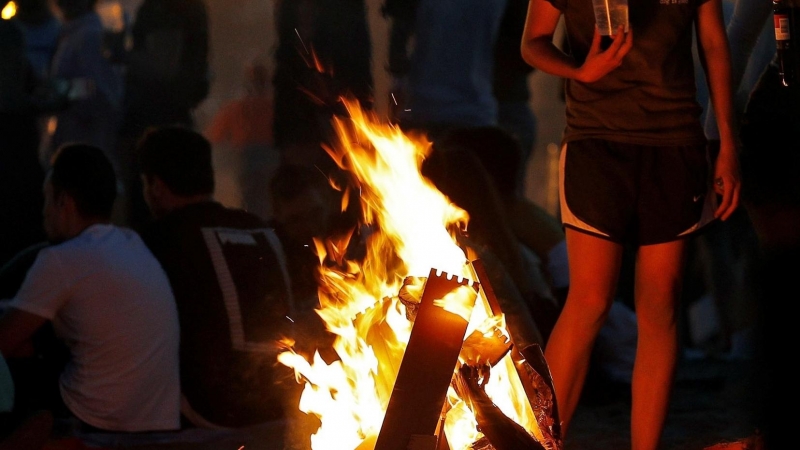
(108, 300)
(229, 275)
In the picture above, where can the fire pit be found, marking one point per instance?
(426, 362)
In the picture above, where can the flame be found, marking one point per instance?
(9, 11)
(412, 229)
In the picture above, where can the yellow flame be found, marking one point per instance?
(9, 11)
(412, 230)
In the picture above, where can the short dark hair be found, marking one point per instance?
(181, 157)
(85, 173)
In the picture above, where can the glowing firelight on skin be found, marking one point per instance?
(412, 231)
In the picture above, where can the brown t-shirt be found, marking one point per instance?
(651, 99)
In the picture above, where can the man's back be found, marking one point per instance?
(110, 302)
(229, 276)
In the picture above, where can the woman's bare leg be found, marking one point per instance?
(659, 273)
(594, 266)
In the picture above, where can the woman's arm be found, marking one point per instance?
(539, 51)
(746, 25)
(715, 57)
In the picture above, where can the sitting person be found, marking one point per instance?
(108, 300)
(541, 232)
(228, 271)
(519, 286)
(307, 207)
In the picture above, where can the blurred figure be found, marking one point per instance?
(167, 72)
(167, 77)
(730, 248)
(242, 131)
(108, 300)
(93, 114)
(306, 208)
(518, 282)
(751, 37)
(324, 51)
(228, 271)
(511, 87)
(42, 30)
(449, 77)
(771, 196)
(542, 233)
(500, 154)
(24, 98)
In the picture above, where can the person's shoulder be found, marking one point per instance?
(248, 217)
(205, 215)
(107, 239)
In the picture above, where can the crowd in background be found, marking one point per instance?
(102, 163)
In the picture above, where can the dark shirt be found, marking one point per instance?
(228, 273)
(510, 70)
(651, 99)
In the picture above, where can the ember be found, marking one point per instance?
(425, 360)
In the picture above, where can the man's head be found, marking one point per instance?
(80, 189)
(303, 201)
(176, 168)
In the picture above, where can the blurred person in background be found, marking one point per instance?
(241, 131)
(24, 98)
(441, 58)
(512, 89)
(42, 30)
(94, 111)
(730, 248)
(324, 51)
(167, 76)
(522, 292)
(771, 196)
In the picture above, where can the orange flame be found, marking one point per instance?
(412, 229)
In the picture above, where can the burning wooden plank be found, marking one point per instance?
(427, 367)
(499, 430)
(533, 372)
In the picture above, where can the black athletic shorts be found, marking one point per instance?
(635, 194)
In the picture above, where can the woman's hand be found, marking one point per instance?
(599, 62)
(726, 182)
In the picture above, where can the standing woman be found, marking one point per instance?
(634, 172)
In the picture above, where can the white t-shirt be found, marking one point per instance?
(111, 303)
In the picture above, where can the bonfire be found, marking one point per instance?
(424, 357)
